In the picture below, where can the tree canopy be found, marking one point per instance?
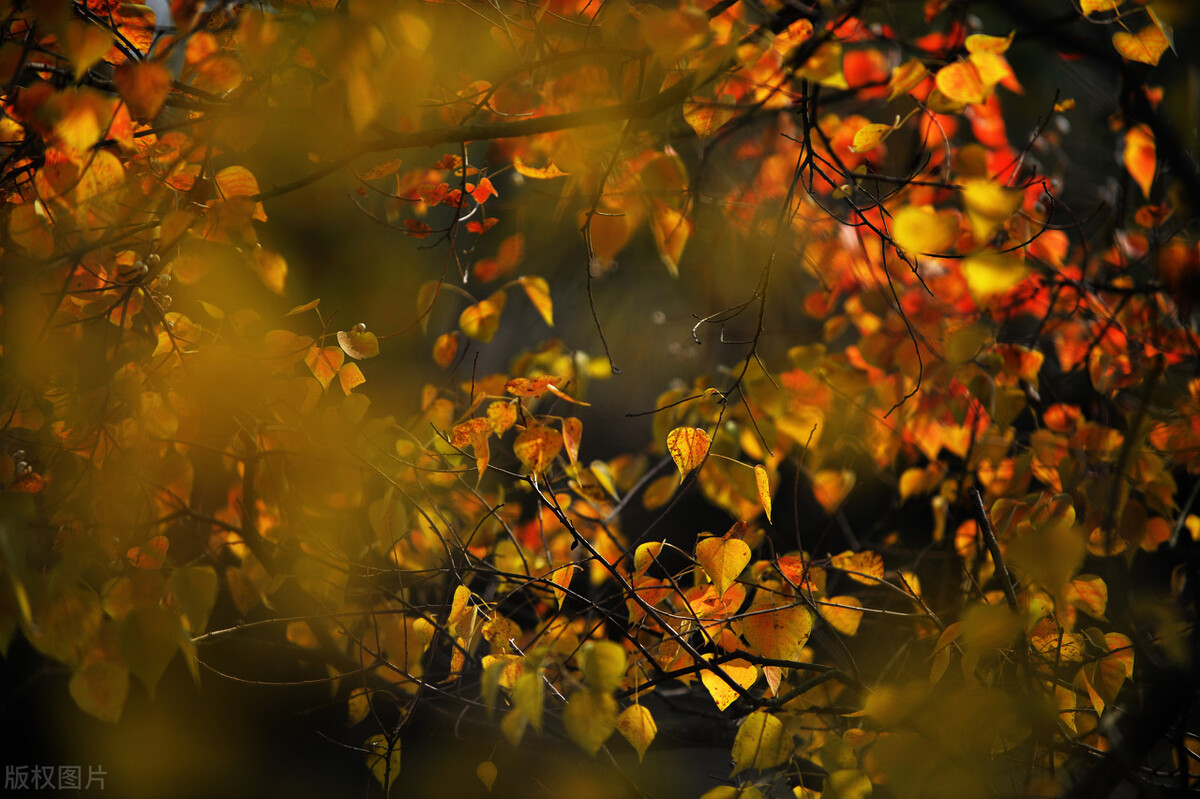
(813, 382)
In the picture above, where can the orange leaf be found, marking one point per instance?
(350, 377)
(143, 86)
(149, 555)
(671, 231)
(1141, 157)
(905, 78)
(1146, 46)
(537, 446)
(530, 387)
(324, 363)
(572, 432)
(382, 170)
(777, 628)
(502, 415)
(445, 348)
(484, 191)
(688, 447)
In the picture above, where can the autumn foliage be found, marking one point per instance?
(947, 422)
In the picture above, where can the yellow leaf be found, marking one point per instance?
(528, 693)
(988, 205)
(144, 86)
(962, 83)
(537, 446)
(671, 33)
(637, 725)
(921, 229)
(1141, 157)
(761, 743)
(487, 773)
(722, 560)
(590, 719)
(602, 664)
(1146, 46)
(990, 276)
(865, 567)
(545, 173)
(764, 489)
(383, 758)
(825, 66)
(843, 619)
(740, 671)
(982, 43)
(776, 627)
(481, 320)
(868, 137)
(1089, 593)
(905, 78)
(1090, 7)
(539, 294)
(360, 344)
(688, 447)
(324, 363)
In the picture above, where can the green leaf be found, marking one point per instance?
(149, 638)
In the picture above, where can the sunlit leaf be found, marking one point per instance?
(990, 276)
(350, 377)
(839, 612)
(602, 664)
(742, 672)
(688, 447)
(1141, 159)
(831, 487)
(547, 172)
(1090, 7)
(636, 724)
(905, 78)
(865, 567)
(777, 628)
(144, 86)
(481, 320)
(539, 294)
(868, 137)
(923, 230)
(360, 344)
(537, 446)
(445, 348)
(761, 743)
(1146, 46)
(722, 559)
(762, 480)
(590, 719)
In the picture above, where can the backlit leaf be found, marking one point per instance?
(989, 205)
(905, 78)
(350, 377)
(1090, 7)
(481, 320)
(722, 559)
(537, 446)
(360, 344)
(549, 171)
(149, 638)
(962, 83)
(844, 619)
(761, 743)
(865, 567)
(671, 231)
(1146, 46)
(445, 348)
(539, 294)
(85, 44)
(868, 137)
(572, 433)
(1141, 157)
(742, 672)
(590, 719)
(149, 555)
(636, 724)
(831, 487)
(777, 627)
(688, 447)
(990, 276)
(762, 480)
(921, 229)
(144, 86)
(602, 664)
